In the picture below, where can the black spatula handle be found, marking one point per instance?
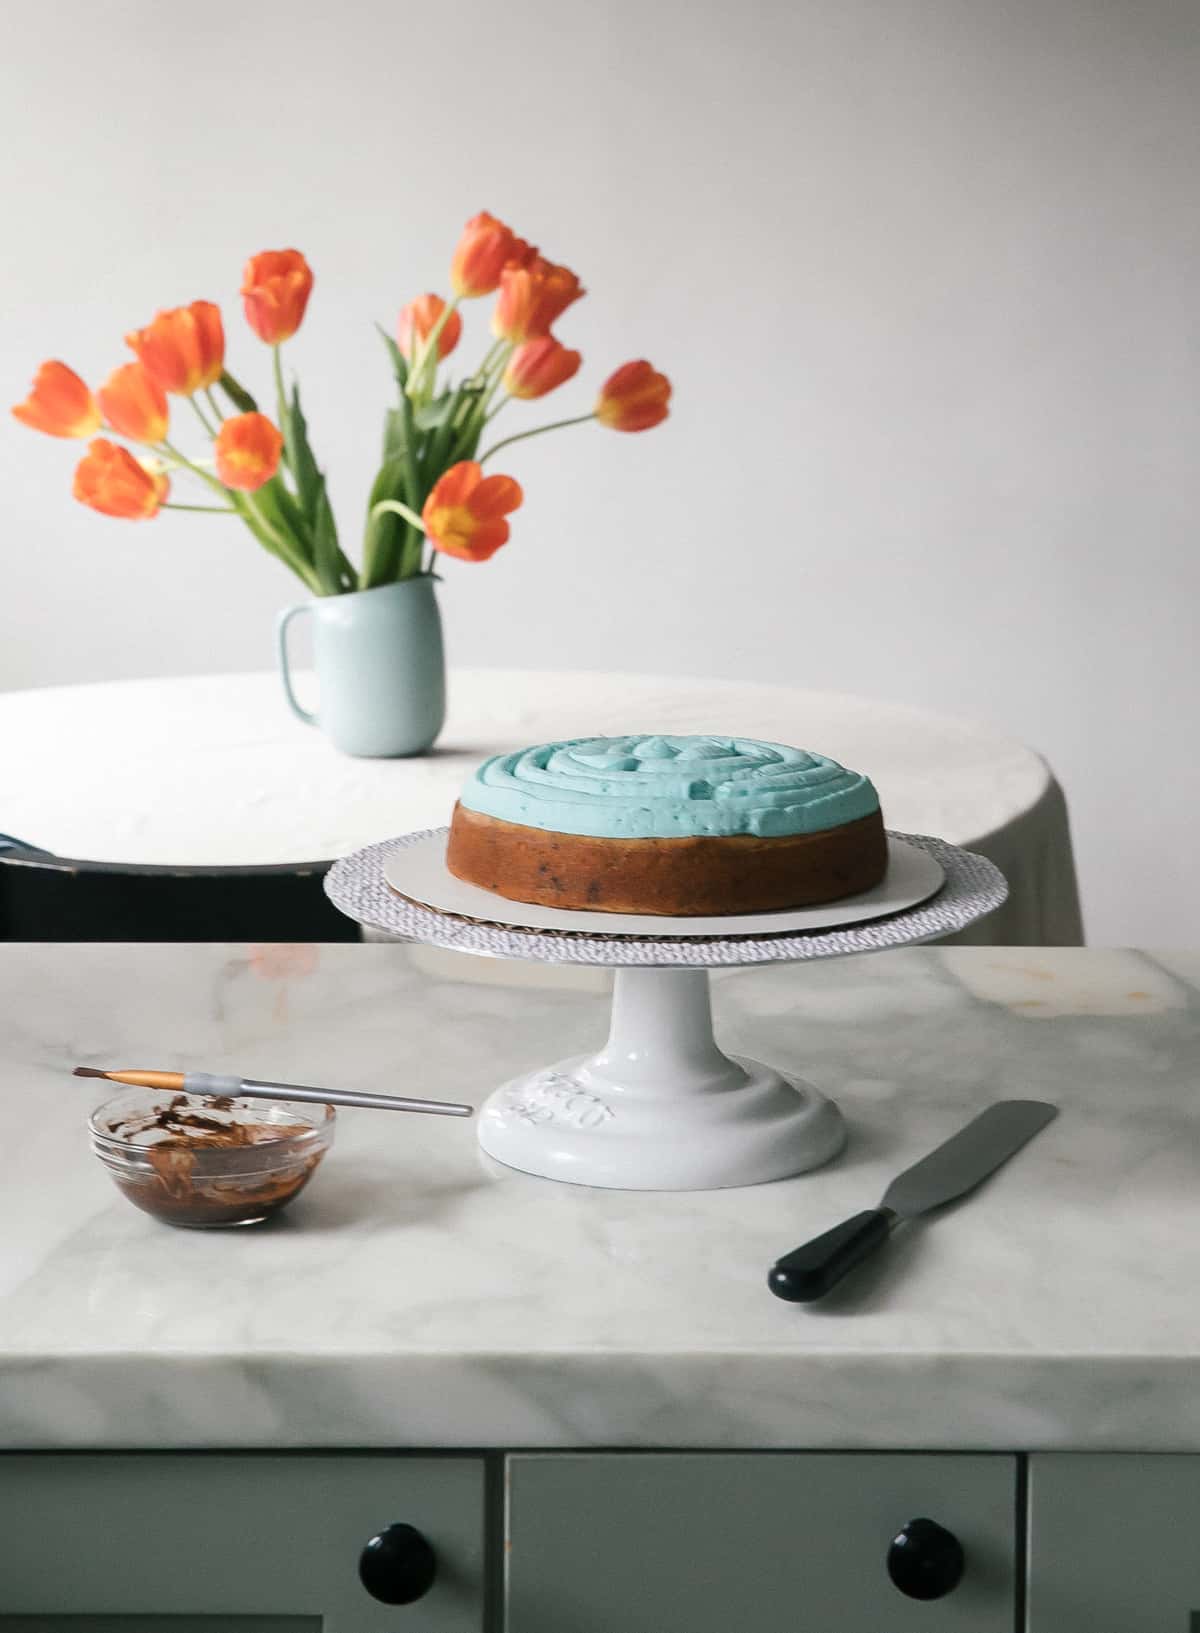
(808, 1272)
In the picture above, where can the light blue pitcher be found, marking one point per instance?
(381, 669)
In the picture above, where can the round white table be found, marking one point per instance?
(213, 772)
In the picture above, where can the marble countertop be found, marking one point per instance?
(419, 1295)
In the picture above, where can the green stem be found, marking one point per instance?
(381, 570)
(469, 429)
(208, 510)
(493, 353)
(246, 507)
(280, 395)
(412, 476)
(492, 385)
(411, 556)
(281, 417)
(397, 509)
(214, 405)
(282, 547)
(538, 430)
(427, 349)
(497, 369)
(200, 415)
(189, 464)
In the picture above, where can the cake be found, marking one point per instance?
(687, 826)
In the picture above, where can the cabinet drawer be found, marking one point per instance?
(758, 1542)
(249, 1543)
(1112, 1543)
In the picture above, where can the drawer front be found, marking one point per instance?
(221, 1543)
(1114, 1543)
(757, 1542)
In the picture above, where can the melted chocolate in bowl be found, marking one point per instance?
(201, 1162)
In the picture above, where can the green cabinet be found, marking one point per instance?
(216, 1543)
(594, 1542)
(1113, 1543)
(755, 1542)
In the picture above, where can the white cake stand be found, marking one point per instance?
(660, 1107)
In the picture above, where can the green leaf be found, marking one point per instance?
(238, 395)
(429, 416)
(333, 569)
(415, 487)
(399, 365)
(310, 484)
(459, 437)
(384, 542)
(393, 434)
(389, 483)
(311, 504)
(297, 563)
(284, 514)
(466, 445)
(313, 541)
(391, 543)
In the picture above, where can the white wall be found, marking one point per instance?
(924, 276)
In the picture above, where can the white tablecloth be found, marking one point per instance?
(213, 770)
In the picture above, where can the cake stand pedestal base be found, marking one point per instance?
(660, 1108)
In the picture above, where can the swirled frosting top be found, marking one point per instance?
(669, 788)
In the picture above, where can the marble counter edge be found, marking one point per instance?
(819, 1400)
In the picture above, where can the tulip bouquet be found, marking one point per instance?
(431, 495)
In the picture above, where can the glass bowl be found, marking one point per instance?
(200, 1162)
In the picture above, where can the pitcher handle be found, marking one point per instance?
(285, 672)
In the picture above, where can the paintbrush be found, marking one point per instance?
(211, 1085)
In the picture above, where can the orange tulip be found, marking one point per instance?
(112, 481)
(486, 247)
(419, 317)
(275, 288)
(247, 450)
(538, 366)
(133, 404)
(634, 398)
(464, 514)
(522, 254)
(59, 403)
(532, 298)
(183, 349)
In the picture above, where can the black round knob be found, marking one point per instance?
(398, 1566)
(926, 1561)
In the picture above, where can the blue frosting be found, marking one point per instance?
(669, 788)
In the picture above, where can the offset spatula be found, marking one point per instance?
(956, 1167)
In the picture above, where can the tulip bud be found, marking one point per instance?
(532, 298)
(419, 318)
(59, 403)
(112, 481)
(276, 285)
(484, 250)
(634, 398)
(247, 451)
(182, 350)
(133, 404)
(538, 366)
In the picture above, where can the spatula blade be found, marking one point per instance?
(968, 1157)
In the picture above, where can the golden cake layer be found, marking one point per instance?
(686, 877)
